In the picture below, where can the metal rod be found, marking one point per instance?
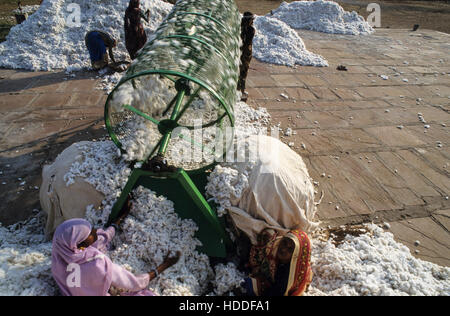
(170, 78)
(165, 141)
(188, 104)
(154, 149)
(169, 106)
(136, 111)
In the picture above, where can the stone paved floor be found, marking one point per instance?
(41, 113)
(368, 168)
(363, 140)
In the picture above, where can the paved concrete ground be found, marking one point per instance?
(364, 143)
(41, 113)
(368, 168)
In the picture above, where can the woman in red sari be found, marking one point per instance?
(135, 37)
(281, 265)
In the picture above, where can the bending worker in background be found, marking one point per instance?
(97, 42)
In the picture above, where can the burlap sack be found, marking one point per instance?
(62, 202)
(280, 193)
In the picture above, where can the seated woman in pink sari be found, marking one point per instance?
(81, 268)
(280, 264)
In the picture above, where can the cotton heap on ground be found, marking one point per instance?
(321, 16)
(49, 40)
(52, 39)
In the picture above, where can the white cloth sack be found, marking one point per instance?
(62, 202)
(280, 194)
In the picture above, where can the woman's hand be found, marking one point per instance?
(125, 211)
(170, 261)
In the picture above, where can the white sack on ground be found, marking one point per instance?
(273, 190)
(61, 200)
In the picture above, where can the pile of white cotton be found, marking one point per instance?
(227, 278)
(25, 259)
(53, 38)
(321, 16)
(276, 43)
(374, 264)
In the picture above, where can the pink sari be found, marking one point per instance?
(90, 272)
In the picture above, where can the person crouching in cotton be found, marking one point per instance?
(280, 264)
(97, 42)
(80, 266)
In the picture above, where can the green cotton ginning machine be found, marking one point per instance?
(173, 110)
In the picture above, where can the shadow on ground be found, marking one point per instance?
(24, 80)
(21, 178)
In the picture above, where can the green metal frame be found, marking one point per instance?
(221, 42)
(182, 190)
(108, 125)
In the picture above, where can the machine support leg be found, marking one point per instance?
(165, 141)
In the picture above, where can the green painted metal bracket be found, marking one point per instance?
(189, 203)
(108, 124)
(176, 110)
(136, 111)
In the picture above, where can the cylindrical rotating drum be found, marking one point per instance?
(176, 99)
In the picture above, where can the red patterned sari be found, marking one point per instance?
(263, 261)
